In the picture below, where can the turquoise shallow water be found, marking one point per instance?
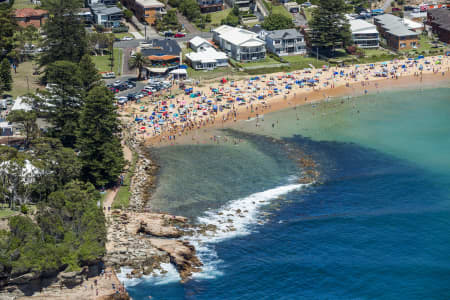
(377, 227)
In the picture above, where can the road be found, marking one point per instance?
(185, 22)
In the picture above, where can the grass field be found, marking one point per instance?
(280, 9)
(266, 61)
(24, 81)
(6, 212)
(208, 75)
(122, 199)
(122, 35)
(216, 19)
(302, 62)
(103, 63)
(18, 4)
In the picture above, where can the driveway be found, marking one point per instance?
(185, 23)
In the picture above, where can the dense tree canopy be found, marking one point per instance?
(66, 37)
(277, 21)
(7, 28)
(65, 100)
(330, 28)
(99, 145)
(5, 76)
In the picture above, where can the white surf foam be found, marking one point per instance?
(236, 218)
(167, 274)
(232, 220)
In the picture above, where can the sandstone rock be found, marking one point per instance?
(182, 255)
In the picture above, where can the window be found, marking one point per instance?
(299, 40)
(277, 42)
(402, 45)
(413, 44)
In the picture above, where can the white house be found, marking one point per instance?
(206, 56)
(239, 44)
(364, 34)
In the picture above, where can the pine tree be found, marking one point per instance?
(329, 25)
(5, 76)
(90, 76)
(66, 99)
(100, 149)
(66, 37)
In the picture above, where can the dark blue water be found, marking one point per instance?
(376, 227)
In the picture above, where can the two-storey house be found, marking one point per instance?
(239, 44)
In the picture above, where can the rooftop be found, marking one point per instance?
(160, 48)
(30, 12)
(395, 25)
(198, 41)
(238, 36)
(361, 26)
(284, 33)
(150, 3)
(441, 16)
(206, 54)
(105, 10)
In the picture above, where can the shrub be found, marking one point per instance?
(24, 209)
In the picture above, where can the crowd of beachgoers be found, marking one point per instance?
(173, 112)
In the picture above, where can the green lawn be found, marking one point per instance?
(267, 61)
(308, 13)
(24, 81)
(122, 35)
(6, 212)
(19, 4)
(301, 62)
(216, 19)
(122, 199)
(208, 75)
(103, 63)
(280, 9)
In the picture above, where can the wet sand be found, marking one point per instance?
(206, 133)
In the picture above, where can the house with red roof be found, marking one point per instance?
(30, 16)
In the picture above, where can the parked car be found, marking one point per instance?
(179, 35)
(168, 34)
(122, 100)
(108, 75)
(127, 38)
(131, 83)
(114, 89)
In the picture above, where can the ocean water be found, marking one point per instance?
(376, 226)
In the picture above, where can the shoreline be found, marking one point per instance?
(297, 99)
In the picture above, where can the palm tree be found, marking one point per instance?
(138, 62)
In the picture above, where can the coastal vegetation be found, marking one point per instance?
(57, 172)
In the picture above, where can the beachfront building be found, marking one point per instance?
(397, 34)
(146, 10)
(30, 16)
(239, 44)
(164, 56)
(364, 34)
(206, 56)
(106, 16)
(207, 6)
(286, 42)
(439, 20)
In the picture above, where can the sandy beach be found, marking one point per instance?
(167, 118)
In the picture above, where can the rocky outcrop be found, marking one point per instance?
(182, 255)
(160, 225)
